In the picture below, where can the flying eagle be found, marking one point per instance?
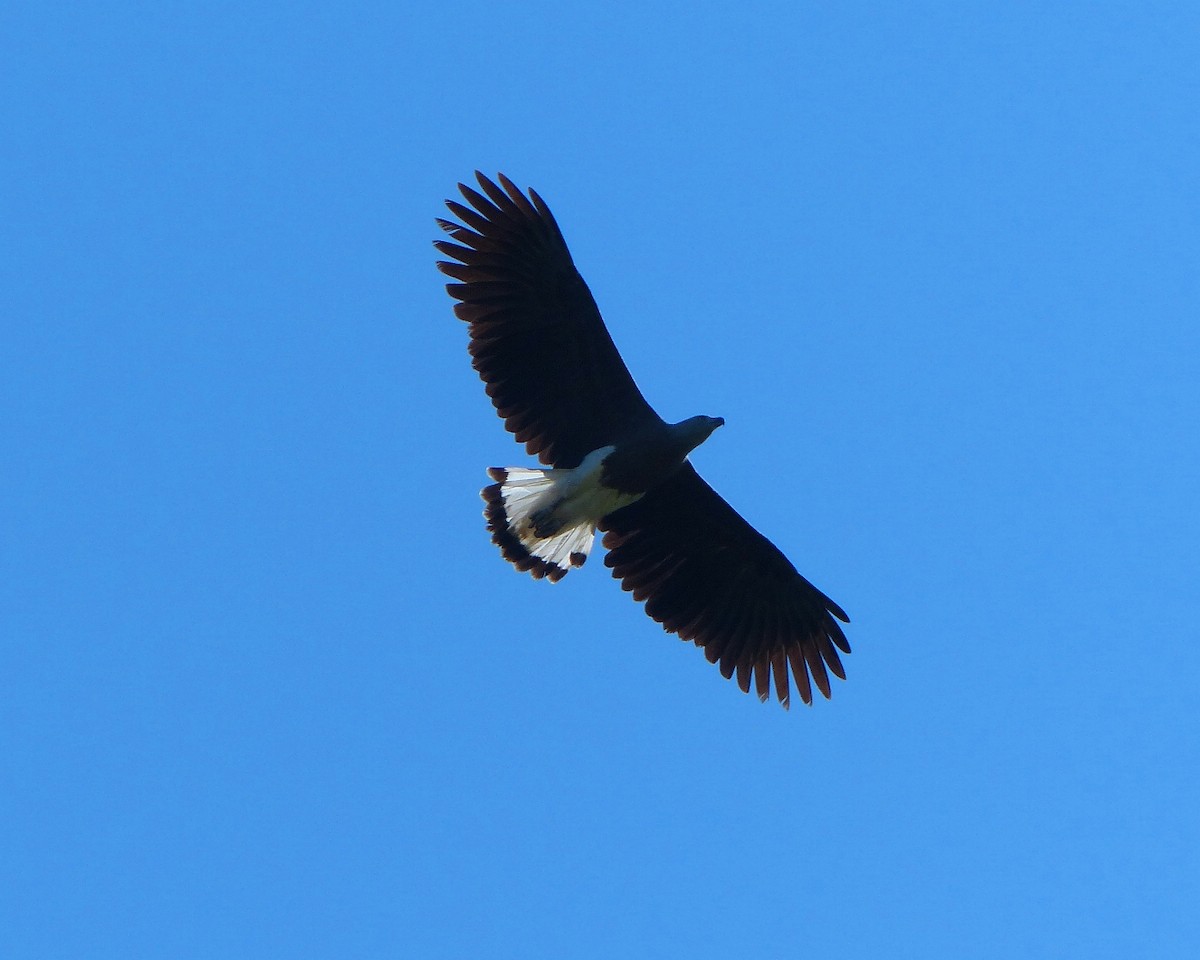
(540, 345)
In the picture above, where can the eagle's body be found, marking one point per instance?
(554, 375)
(545, 521)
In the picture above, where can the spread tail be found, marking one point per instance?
(528, 521)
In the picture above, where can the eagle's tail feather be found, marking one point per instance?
(520, 515)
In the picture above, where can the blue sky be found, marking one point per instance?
(266, 689)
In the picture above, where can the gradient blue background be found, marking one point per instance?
(266, 690)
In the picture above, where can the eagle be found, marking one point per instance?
(611, 463)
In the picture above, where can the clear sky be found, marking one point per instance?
(267, 690)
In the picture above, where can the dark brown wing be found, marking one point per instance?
(707, 575)
(537, 338)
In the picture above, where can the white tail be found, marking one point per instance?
(544, 521)
(526, 515)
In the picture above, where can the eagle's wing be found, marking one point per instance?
(537, 338)
(707, 575)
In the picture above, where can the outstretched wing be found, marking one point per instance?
(537, 338)
(707, 575)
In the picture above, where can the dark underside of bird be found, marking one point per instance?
(610, 463)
